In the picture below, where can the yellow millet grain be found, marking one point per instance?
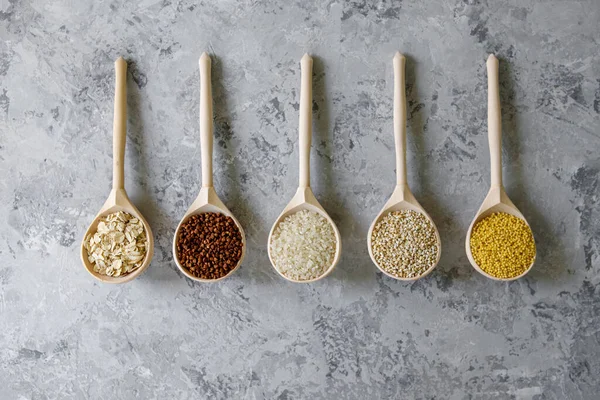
(502, 245)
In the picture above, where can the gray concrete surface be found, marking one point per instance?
(357, 334)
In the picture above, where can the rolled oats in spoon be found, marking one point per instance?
(119, 245)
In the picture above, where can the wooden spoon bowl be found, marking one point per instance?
(207, 200)
(118, 199)
(496, 200)
(402, 198)
(304, 199)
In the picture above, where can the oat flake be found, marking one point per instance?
(119, 245)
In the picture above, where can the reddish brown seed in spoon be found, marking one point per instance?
(209, 245)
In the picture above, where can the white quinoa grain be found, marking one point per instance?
(404, 244)
(303, 246)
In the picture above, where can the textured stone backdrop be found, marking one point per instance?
(357, 334)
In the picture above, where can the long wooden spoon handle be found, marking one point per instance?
(400, 117)
(494, 121)
(119, 123)
(305, 125)
(206, 121)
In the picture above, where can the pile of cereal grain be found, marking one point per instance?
(209, 245)
(502, 245)
(303, 246)
(119, 245)
(404, 244)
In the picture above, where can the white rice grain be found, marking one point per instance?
(303, 246)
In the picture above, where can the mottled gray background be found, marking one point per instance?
(356, 334)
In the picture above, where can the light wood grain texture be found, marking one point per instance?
(496, 200)
(119, 123)
(400, 117)
(401, 198)
(206, 120)
(207, 200)
(305, 122)
(117, 199)
(304, 199)
(494, 122)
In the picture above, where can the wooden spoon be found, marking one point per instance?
(402, 198)
(207, 200)
(496, 200)
(304, 199)
(117, 199)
